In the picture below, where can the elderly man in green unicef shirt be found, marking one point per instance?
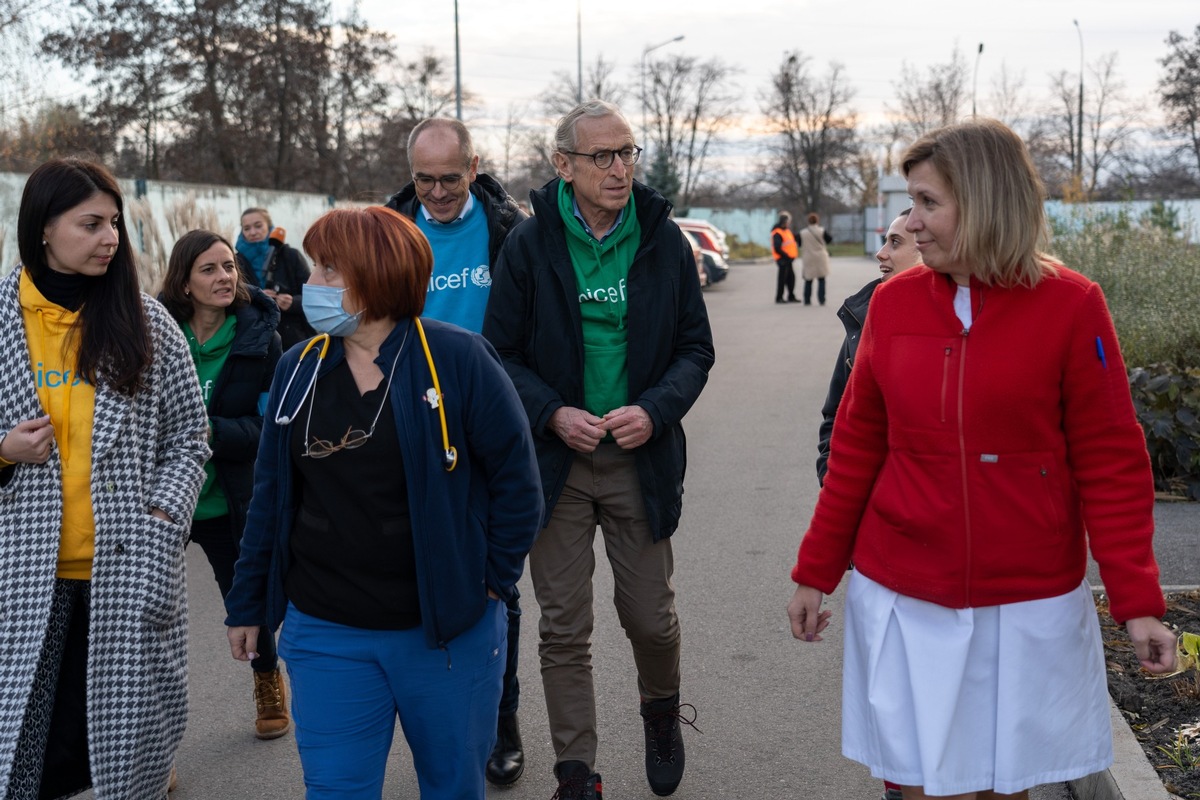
(597, 314)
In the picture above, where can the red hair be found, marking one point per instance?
(382, 256)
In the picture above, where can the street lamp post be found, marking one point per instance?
(457, 69)
(975, 80)
(647, 51)
(1079, 132)
(579, 49)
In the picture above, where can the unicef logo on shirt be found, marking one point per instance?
(481, 276)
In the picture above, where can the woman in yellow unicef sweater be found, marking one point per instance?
(102, 447)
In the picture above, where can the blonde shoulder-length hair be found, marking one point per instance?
(1002, 232)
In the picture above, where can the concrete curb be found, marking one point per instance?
(1131, 777)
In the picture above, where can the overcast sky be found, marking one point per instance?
(510, 50)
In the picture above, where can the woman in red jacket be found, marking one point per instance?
(987, 425)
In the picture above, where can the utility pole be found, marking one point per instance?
(457, 69)
(975, 81)
(645, 52)
(579, 49)
(1079, 132)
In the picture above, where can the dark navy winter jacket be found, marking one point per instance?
(472, 527)
(533, 319)
(233, 411)
(853, 314)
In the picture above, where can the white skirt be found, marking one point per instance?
(963, 700)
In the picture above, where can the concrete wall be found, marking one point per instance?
(1188, 212)
(166, 210)
(896, 201)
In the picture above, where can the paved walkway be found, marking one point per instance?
(769, 707)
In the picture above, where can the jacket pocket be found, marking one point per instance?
(154, 562)
(914, 517)
(1018, 515)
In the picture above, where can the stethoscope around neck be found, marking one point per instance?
(449, 453)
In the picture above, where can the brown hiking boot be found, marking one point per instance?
(271, 698)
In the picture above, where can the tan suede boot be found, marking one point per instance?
(271, 698)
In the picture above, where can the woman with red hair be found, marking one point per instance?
(396, 496)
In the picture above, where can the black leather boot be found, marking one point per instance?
(664, 742)
(507, 761)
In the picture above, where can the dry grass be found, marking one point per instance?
(148, 250)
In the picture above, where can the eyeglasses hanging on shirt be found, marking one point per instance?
(354, 437)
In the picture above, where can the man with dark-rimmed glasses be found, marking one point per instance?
(465, 214)
(597, 315)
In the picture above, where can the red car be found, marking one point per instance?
(698, 254)
(710, 236)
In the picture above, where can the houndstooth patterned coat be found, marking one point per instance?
(147, 451)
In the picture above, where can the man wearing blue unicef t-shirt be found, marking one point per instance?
(465, 214)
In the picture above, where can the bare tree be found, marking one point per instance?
(20, 68)
(1064, 122)
(929, 101)
(16, 13)
(48, 130)
(599, 83)
(1109, 129)
(1179, 88)
(1109, 121)
(690, 103)
(813, 144)
(425, 89)
(356, 94)
(512, 140)
(1008, 101)
(525, 149)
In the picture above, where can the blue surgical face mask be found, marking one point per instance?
(323, 310)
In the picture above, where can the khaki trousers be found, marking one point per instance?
(602, 489)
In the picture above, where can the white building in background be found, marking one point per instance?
(893, 198)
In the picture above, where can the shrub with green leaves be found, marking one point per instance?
(1167, 402)
(1151, 278)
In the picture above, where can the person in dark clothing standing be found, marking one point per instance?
(269, 263)
(230, 330)
(898, 253)
(597, 314)
(785, 249)
(466, 216)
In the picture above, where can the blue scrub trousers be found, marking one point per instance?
(349, 685)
